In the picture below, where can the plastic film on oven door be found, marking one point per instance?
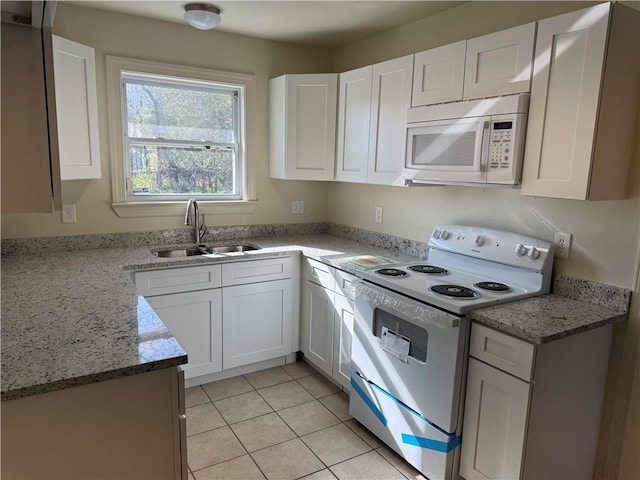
(429, 381)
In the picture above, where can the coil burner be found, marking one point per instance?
(427, 269)
(391, 272)
(455, 291)
(492, 286)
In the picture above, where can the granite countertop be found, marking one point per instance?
(73, 317)
(546, 318)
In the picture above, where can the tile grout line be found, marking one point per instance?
(298, 437)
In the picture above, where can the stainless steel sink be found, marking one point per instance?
(202, 250)
(234, 248)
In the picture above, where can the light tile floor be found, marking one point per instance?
(283, 423)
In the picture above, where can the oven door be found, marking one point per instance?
(453, 150)
(429, 381)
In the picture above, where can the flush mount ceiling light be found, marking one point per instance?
(202, 16)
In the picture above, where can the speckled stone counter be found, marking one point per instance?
(546, 318)
(73, 317)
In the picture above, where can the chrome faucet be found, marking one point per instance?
(200, 228)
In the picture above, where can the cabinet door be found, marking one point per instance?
(499, 63)
(438, 74)
(317, 326)
(354, 113)
(257, 322)
(495, 419)
(390, 99)
(77, 109)
(342, 334)
(195, 319)
(564, 103)
(26, 168)
(302, 110)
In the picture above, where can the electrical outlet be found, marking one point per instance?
(68, 214)
(378, 218)
(562, 243)
(297, 207)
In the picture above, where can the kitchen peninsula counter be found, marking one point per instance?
(71, 318)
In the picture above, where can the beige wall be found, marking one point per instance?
(606, 242)
(137, 37)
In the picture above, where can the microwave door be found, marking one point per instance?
(448, 151)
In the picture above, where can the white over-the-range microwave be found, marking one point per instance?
(475, 142)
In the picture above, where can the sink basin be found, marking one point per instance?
(234, 248)
(203, 250)
(179, 252)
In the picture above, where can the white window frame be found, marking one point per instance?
(127, 206)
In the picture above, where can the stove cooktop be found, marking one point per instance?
(471, 267)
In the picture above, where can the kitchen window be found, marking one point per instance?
(177, 133)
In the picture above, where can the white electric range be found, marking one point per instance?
(471, 267)
(411, 335)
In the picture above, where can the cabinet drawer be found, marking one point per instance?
(176, 280)
(502, 351)
(345, 284)
(319, 273)
(252, 271)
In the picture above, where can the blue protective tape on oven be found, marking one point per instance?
(400, 403)
(372, 406)
(431, 444)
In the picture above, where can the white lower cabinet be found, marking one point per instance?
(342, 332)
(317, 326)
(495, 445)
(229, 315)
(257, 319)
(533, 411)
(327, 321)
(195, 319)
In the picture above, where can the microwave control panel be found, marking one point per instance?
(502, 144)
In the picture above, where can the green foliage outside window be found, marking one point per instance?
(181, 138)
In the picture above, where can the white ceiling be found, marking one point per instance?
(329, 23)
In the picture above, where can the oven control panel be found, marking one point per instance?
(501, 246)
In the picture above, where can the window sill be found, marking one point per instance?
(169, 209)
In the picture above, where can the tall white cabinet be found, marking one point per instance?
(327, 320)
(372, 114)
(302, 126)
(583, 111)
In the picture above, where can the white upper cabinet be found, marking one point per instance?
(438, 74)
(583, 107)
(354, 113)
(488, 66)
(302, 126)
(390, 99)
(499, 63)
(372, 110)
(77, 109)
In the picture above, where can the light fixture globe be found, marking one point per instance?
(202, 16)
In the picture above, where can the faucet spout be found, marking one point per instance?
(199, 228)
